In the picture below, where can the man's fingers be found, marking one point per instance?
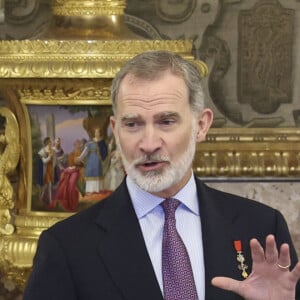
(284, 260)
(295, 274)
(271, 252)
(257, 251)
(226, 284)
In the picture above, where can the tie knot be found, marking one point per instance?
(169, 206)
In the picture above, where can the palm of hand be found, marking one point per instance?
(267, 281)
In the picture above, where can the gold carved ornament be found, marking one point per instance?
(88, 8)
(9, 159)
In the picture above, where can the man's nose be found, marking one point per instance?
(151, 140)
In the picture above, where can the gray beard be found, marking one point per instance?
(157, 181)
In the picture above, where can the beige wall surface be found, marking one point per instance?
(283, 196)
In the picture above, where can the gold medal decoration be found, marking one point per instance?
(240, 258)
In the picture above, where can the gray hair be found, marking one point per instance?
(150, 65)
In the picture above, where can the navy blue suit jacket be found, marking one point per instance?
(100, 253)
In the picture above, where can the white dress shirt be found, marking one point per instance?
(151, 218)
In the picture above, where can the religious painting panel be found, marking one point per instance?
(74, 157)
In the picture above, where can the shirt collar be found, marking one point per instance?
(144, 202)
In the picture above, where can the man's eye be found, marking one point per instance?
(167, 122)
(131, 124)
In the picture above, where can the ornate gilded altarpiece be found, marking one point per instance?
(70, 71)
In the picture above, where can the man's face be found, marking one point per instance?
(156, 132)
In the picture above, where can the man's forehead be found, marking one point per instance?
(131, 78)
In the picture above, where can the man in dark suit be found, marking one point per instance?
(119, 249)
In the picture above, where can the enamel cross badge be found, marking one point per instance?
(240, 258)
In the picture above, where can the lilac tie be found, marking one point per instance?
(177, 272)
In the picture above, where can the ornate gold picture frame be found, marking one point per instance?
(33, 114)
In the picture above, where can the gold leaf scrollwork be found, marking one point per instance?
(9, 158)
(202, 67)
(94, 7)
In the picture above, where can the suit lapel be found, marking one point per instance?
(123, 250)
(218, 233)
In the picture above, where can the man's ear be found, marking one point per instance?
(112, 123)
(204, 122)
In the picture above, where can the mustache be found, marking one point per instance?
(150, 158)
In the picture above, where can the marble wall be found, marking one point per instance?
(283, 196)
